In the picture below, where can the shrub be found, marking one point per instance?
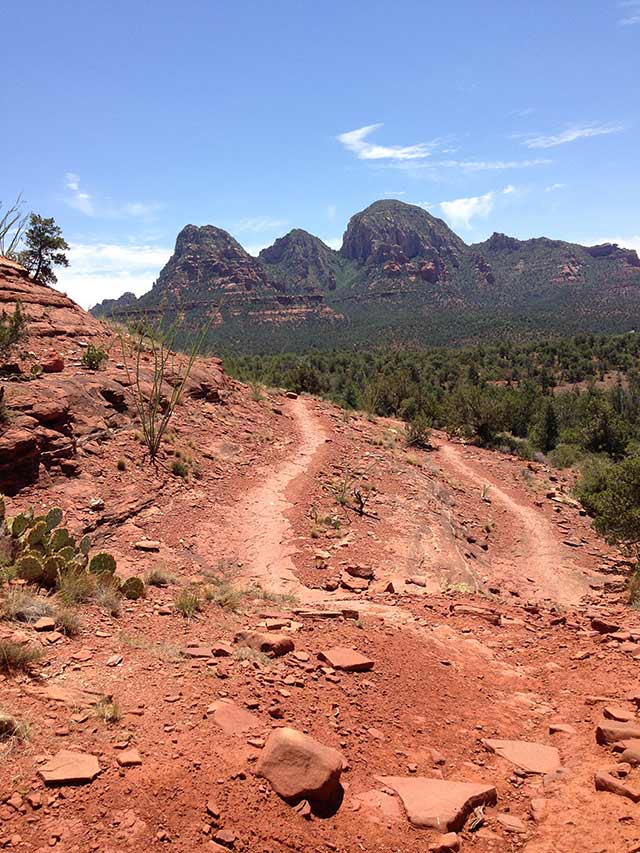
(93, 357)
(419, 432)
(107, 711)
(180, 469)
(108, 598)
(121, 464)
(76, 588)
(67, 622)
(18, 656)
(154, 409)
(158, 577)
(187, 602)
(11, 728)
(12, 328)
(565, 456)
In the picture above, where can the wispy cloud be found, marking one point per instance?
(522, 112)
(356, 142)
(552, 188)
(100, 271)
(461, 211)
(79, 199)
(259, 224)
(571, 134)
(631, 15)
(474, 165)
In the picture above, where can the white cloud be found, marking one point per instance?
(571, 134)
(395, 195)
(461, 211)
(82, 201)
(632, 16)
(107, 270)
(333, 243)
(355, 141)
(552, 188)
(258, 224)
(256, 248)
(79, 199)
(474, 165)
(632, 242)
(331, 212)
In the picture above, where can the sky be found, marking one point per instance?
(127, 120)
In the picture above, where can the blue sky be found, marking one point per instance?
(127, 120)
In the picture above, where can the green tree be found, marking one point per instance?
(45, 247)
(544, 433)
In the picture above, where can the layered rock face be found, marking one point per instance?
(53, 409)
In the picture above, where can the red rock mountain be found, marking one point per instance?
(401, 275)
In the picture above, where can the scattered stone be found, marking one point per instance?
(129, 758)
(353, 584)
(511, 823)
(45, 623)
(349, 660)
(271, 644)
(437, 803)
(114, 660)
(605, 781)
(561, 728)
(197, 652)
(222, 650)
(147, 545)
(449, 843)
(232, 719)
(70, 768)
(299, 767)
(364, 572)
(611, 732)
(538, 809)
(603, 626)
(529, 757)
(612, 712)
(225, 837)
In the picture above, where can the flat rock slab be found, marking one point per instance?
(232, 719)
(73, 697)
(349, 660)
(610, 731)
(437, 803)
(129, 758)
(530, 757)
(70, 768)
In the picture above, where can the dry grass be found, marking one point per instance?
(76, 588)
(107, 711)
(20, 605)
(18, 657)
(108, 599)
(187, 602)
(158, 577)
(67, 622)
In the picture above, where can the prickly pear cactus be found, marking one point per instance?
(102, 562)
(59, 539)
(132, 588)
(36, 534)
(19, 525)
(30, 568)
(53, 518)
(84, 545)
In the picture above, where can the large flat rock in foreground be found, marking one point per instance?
(70, 768)
(437, 803)
(530, 757)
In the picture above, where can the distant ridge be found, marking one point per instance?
(401, 275)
